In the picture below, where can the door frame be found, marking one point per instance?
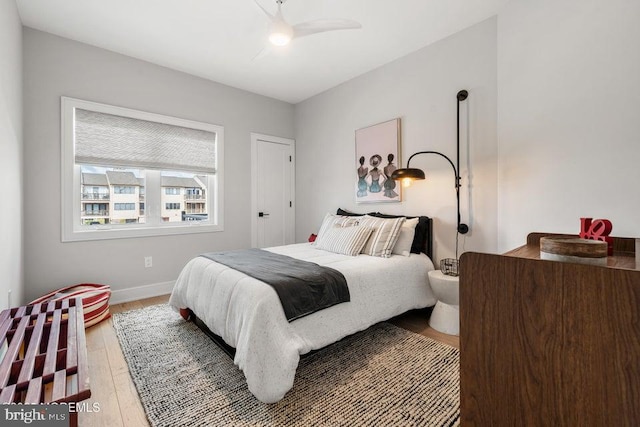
(255, 137)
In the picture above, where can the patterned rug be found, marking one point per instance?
(384, 376)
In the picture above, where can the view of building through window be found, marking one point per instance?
(117, 196)
(184, 196)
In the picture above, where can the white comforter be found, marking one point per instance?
(248, 315)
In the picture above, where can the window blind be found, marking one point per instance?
(110, 140)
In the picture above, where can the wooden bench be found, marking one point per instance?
(43, 354)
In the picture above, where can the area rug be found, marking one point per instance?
(384, 376)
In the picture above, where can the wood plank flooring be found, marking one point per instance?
(114, 391)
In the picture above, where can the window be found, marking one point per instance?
(124, 206)
(96, 209)
(123, 190)
(129, 173)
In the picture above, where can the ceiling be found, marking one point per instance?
(218, 39)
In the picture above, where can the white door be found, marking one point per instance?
(273, 191)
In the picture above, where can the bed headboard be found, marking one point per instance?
(428, 236)
(423, 241)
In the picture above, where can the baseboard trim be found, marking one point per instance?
(141, 292)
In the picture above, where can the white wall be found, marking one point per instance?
(568, 116)
(421, 89)
(54, 67)
(553, 135)
(11, 148)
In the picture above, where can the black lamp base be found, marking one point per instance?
(463, 228)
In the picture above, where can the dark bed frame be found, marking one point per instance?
(187, 314)
(231, 352)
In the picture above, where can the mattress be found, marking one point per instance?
(246, 313)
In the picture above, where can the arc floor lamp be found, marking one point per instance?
(409, 174)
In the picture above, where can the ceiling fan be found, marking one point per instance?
(281, 33)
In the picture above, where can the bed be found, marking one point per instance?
(248, 315)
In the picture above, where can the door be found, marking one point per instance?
(273, 222)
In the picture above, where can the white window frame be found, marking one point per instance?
(73, 230)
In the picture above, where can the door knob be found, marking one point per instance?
(262, 214)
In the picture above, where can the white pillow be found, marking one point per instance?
(330, 220)
(345, 240)
(405, 239)
(384, 236)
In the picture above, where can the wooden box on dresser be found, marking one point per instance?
(548, 343)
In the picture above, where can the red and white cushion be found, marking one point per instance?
(95, 300)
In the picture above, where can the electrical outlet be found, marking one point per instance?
(148, 262)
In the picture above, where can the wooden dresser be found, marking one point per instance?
(548, 343)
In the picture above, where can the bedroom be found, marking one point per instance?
(553, 136)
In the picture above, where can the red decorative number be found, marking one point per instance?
(597, 230)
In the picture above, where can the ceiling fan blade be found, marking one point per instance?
(322, 25)
(271, 16)
(263, 52)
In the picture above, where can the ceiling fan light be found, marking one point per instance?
(279, 39)
(281, 33)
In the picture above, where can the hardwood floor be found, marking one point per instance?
(418, 321)
(113, 390)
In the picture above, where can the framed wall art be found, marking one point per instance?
(377, 156)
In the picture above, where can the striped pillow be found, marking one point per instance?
(345, 240)
(332, 220)
(384, 236)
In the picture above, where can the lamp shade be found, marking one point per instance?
(407, 173)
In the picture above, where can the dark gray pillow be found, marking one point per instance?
(348, 213)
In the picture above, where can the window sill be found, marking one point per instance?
(106, 232)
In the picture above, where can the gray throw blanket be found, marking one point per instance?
(303, 287)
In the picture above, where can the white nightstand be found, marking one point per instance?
(445, 316)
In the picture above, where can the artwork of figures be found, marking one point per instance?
(377, 156)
